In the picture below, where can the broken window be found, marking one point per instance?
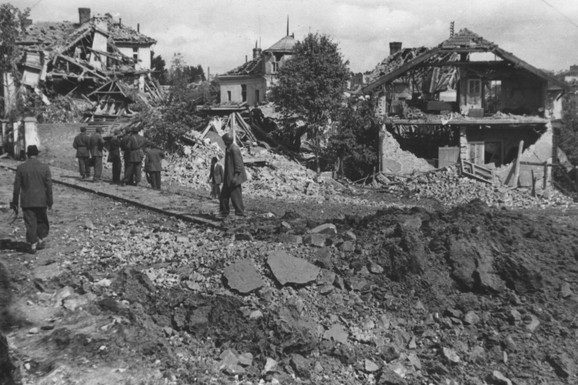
(274, 67)
(135, 54)
(257, 96)
(243, 92)
(229, 96)
(493, 96)
(475, 92)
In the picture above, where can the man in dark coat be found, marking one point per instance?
(96, 147)
(234, 176)
(33, 188)
(135, 146)
(215, 178)
(82, 145)
(114, 156)
(153, 165)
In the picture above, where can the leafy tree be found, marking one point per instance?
(354, 146)
(311, 85)
(12, 24)
(160, 72)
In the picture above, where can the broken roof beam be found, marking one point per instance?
(84, 66)
(401, 70)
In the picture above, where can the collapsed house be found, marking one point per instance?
(248, 84)
(98, 60)
(468, 101)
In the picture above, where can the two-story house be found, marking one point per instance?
(468, 99)
(248, 84)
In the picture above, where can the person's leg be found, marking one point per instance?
(156, 179)
(237, 200)
(97, 168)
(30, 223)
(82, 167)
(43, 226)
(116, 171)
(129, 171)
(137, 173)
(224, 201)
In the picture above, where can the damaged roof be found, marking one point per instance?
(52, 34)
(448, 52)
(252, 67)
(395, 61)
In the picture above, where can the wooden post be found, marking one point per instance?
(546, 171)
(514, 181)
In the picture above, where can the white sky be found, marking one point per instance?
(219, 33)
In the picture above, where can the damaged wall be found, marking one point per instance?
(539, 152)
(392, 159)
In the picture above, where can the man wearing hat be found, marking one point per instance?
(114, 155)
(33, 188)
(233, 177)
(82, 145)
(96, 147)
(135, 146)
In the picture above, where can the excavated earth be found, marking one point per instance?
(394, 293)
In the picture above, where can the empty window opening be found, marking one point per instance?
(243, 92)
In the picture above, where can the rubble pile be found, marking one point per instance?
(406, 296)
(447, 186)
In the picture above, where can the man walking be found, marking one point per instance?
(82, 144)
(153, 165)
(114, 156)
(234, 176)
(135, 145)
(96, 147)
(33, 188)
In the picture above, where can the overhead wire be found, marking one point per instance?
(561, 13)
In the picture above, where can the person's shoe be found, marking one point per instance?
(32, 249)
(41, 244)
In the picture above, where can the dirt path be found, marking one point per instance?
(406, 296)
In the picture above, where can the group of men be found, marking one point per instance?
(33, 181)
(134, 148)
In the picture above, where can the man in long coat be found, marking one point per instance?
(82, 145)
(135, 146)
(114, 156)
(96, 147)
(153, 165)
(33, 189)
(233, 177)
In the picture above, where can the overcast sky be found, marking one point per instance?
(219, 33)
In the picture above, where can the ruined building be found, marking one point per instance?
(98, 60)
(468, 101)
(248, 84)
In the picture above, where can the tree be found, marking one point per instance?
(311, 86)
(160, 73)
(12, 24)
(354, 146)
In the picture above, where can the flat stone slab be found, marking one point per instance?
(243, 277)
(288, 269)
(326, 228)
(47, 272)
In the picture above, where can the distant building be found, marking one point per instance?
(248, 84)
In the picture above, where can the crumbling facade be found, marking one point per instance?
(98, 60)
(468, 100)
(249, 83)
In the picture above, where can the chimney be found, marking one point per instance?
(246, 58)
(256, 51)
(83, 15)
(138, 27)
(452, 29)
(394, 46)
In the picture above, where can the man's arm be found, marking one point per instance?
(16, 191)
(48, 182)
